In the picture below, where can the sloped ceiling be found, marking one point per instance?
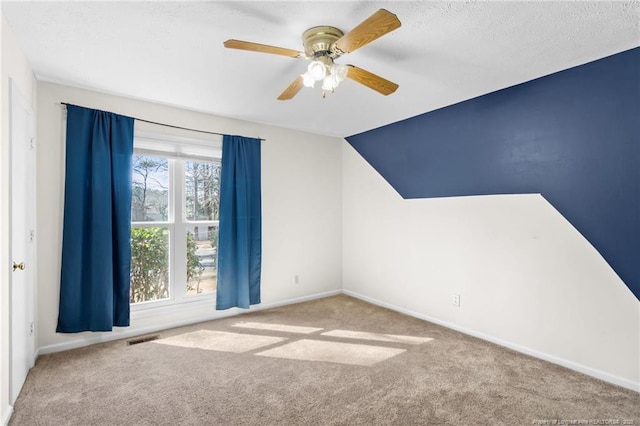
(445, 52)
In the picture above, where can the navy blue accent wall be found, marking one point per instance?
(573, 136)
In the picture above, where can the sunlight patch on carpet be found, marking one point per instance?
(277, 327)
(409, 340)
(220, 341)
(343, 353)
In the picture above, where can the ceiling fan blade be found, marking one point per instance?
(371, 80)
(375, 26)
(257, 47)
(292, 90)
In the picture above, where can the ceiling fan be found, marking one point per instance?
(322, 45)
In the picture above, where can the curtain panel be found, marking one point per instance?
(240, 235)
(96, 250)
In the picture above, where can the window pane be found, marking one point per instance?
(202, 190)
(150, 183)
(202, 259)
(149, 264)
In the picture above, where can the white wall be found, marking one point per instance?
(301, 203)
(527, 278)
(16, 68)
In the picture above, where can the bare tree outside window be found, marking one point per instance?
(202, 184)
(150, 189)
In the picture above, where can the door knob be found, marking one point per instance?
(18, 266)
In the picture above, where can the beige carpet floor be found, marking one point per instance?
(333, 361)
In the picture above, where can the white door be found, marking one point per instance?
(22, 196)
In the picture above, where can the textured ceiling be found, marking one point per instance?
(445, 52)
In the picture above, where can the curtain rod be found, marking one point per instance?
(171, 125)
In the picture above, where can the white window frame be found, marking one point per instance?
(177, 150)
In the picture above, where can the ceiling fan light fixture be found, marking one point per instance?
(308, 80)
(330, 82)
(339, 71)
(317, 70)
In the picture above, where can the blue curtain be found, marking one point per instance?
(240, 235)
(96, 248)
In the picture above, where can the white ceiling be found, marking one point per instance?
(444, 52)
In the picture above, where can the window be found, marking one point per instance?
(174, 220)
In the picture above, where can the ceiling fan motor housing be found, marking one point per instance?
(317, 41)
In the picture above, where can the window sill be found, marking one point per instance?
(199, 302)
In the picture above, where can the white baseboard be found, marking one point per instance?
(126, 333)
(138, 331)
(7, 415)
(295, 300)
(537, 354)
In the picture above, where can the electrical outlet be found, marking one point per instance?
(455, 299)
(296, 279)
